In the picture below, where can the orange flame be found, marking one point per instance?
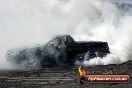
(81, 71)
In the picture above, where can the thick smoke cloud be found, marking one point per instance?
(29, 22)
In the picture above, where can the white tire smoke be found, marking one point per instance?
(30, 22)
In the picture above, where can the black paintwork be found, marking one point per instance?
(61, 51)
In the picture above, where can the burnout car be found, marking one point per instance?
(60, 51)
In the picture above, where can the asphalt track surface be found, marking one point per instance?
(62, 77)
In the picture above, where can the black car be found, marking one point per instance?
(61, 51)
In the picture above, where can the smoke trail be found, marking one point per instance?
(114, 29)
(33, 22)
